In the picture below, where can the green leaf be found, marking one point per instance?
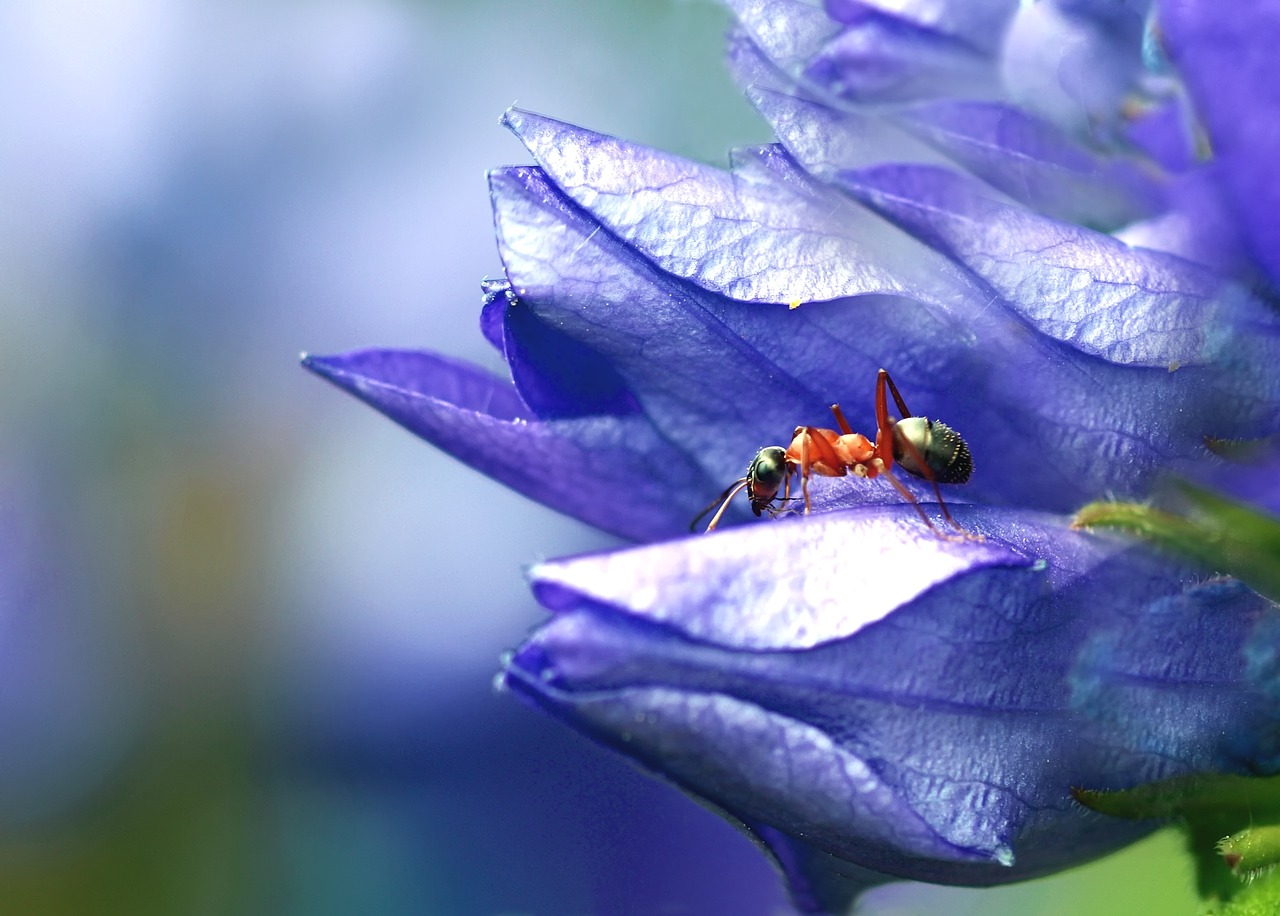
(1231, 827)
(1259, 898)
(1196, 796)
(1221, 535)
(1232, 823)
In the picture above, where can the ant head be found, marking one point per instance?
(769, 468)
(943, 450)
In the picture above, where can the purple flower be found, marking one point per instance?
(652, 349)
(846, 688)
(1037, 248)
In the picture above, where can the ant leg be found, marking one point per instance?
(805, 463)
(841, 422)
(804, 471)
(884, 426)
(942, 504)
(906, 494)
(933, 481)
(909, 497)
(885, 379)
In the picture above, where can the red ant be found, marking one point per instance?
(926, 448)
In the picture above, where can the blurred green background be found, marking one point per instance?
(247, 626)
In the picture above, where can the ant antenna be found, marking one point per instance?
(723, 501)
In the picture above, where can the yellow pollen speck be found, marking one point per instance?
(795, 304)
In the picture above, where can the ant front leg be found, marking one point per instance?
(805, 464)
(814, 450)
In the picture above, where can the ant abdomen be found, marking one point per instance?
(944, 450)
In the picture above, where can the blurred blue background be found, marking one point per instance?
(247, 626)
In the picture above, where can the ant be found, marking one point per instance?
(926, 448)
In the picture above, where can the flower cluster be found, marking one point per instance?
(1012, 208)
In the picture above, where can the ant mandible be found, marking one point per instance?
(926, 448)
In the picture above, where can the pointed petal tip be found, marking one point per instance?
(330, 367)
(529, 663)
(530, 673)
(518, 120)
(553, 588)
(320, 365)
